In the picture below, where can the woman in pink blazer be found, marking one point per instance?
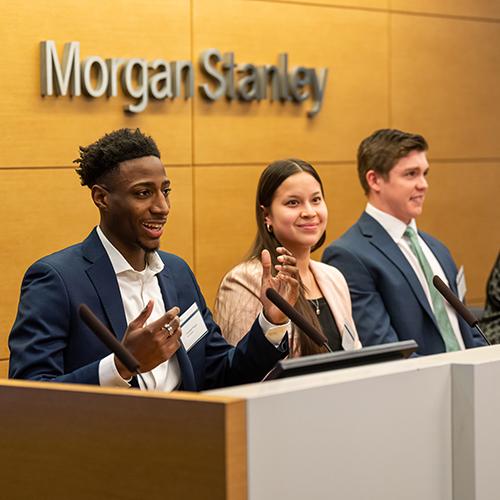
(290, 212)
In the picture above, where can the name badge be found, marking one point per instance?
(192, 325)
(461, 285)
(348, 341)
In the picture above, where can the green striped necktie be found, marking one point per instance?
(443, 321)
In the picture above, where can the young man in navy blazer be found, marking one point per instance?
(121, 274)
(388, 263)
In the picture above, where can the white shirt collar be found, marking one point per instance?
(120, 264)
(391, 224)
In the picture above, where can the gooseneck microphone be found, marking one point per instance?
(457, 304)
(110, 341)
(295, 317)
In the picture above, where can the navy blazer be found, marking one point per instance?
(50, 342)
(388, 301)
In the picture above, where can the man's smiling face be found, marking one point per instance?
(136, 207)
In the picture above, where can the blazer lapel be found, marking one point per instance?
(330, 296)
(188, 381)
(102, 276)
(167, 288)
(170, 300)
(380, 239)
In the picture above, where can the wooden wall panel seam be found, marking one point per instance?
(452, 17)
(62, 167)
(389, 68)
(465, 159)
(261, 164)
(193, 153)
(389, 9)
(42, 167)
(328, 6)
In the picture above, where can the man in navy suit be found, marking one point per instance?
(121, 275)
(388, 263)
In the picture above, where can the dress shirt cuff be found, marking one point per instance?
(109, 375)
(273, 333)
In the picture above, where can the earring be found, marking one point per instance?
(269, 228)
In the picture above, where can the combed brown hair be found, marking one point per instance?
(382, 150)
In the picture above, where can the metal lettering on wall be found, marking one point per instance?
(160, 79)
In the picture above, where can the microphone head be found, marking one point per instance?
(454, 301)
(271, 294)
(438, 282)
(295, 317)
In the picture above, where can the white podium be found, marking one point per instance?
(419, 429)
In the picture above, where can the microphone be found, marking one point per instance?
(295, 317)
(109, 340)
(459, 307)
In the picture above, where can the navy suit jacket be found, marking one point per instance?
(388, 301)
(50, 342)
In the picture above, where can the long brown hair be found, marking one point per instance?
(270, 180)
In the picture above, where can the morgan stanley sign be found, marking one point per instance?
(159, 79)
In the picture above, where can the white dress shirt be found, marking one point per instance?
(136, 289)
(396, 228)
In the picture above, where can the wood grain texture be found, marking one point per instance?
(352, 44)
(445, 84)
(429, 67)
(224, 221)
(352, 4)
(70, 442)
(4, 368)
(462, 210)
(480, 8)
(236, 443)
(46, 131)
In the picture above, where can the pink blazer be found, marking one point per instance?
(237, 303)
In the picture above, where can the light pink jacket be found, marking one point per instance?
(237, 303)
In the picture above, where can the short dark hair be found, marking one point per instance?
(382, 150)
(105, 154)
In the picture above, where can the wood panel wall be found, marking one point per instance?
(420, 65)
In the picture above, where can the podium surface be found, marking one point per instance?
(62, 441)
(422, 428)
(415, 429)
